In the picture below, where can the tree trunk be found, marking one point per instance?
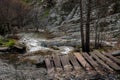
(87, 44)
(81, 27)
(96, 36)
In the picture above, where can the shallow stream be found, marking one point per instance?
(34, 41)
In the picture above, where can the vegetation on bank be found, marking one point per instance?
(7, 42)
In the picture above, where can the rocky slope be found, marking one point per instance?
(62, 19)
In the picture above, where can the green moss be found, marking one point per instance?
(7, 42)
(10, 43)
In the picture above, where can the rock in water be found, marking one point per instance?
(4, 49)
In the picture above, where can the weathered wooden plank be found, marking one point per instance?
(101, 62)
(65, 62)
(83, 62)
(49, 66)
(92, 62)
(74, 62)
(116, 53)
(57, 63)
(107, 60)
(112, 57)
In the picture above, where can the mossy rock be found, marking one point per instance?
(7, 42)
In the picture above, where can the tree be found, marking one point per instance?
(85, 37)
(81, 26)
(12, 13)
(88, 27)
(101, 7)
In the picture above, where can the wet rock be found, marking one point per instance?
(17, 49)
(66, 49)
(4, 49)
(55, 47)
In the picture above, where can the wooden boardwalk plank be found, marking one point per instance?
(84, 63)
(107, 60)
(57, 63)
(112, 57)
(92, 62)
(65, 62)
(74, 62)
(101, 62)
(49, 66)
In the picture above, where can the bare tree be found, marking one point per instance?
(81, 26)
(12, 12)
(88, 27)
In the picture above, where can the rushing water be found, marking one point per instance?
(33, 42)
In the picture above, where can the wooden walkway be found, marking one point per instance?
(94, 63)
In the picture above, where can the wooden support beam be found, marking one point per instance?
(107, 60)
(65, 62)
(83, 62)
(101, 62)
(57, 63)
(112, 57)
(50, 68)
(93, 63)
(74, 62)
